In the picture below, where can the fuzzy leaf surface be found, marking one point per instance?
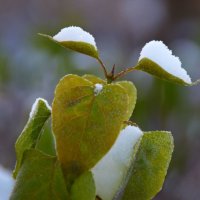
(150, 167)
(40, 178)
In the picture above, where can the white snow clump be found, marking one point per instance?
(110, 170)
(76, 34)
(97, 89)
(159, 53)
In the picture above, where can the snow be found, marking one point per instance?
(98, 88)
(158, 52)
(34, 106)
(6, 184)
(74, 33)
(109, 171)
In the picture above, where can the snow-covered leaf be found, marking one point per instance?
(40, 178)
(150, 167)
(85, 124)
(76, 39)
(39, 114)
(111, 171)
(83, 187)
(157, 59)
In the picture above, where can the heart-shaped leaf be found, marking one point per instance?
(40, 178)
(30, 135)
(85, 123)
(76, 39)
(150, 167)
(83, 187)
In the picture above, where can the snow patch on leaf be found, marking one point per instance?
(159, 53)
(98, 88)
(110, 170)
(74, 33)
(34, 106)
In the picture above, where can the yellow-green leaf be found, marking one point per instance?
(40, 178)
(94, 79)
(132, 93)
(150, 167)
(85, 124)
(83, 187)
(79, 46)
(154, 69)
(32, 131)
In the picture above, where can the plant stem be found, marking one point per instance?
(103, 66)
(124, 72)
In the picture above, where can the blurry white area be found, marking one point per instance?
(143, 16)
(6, 183)
(110, 170)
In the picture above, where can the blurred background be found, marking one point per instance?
(31, 66)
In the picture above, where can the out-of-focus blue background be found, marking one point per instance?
(31, 66)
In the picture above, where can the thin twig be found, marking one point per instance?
(124, 72)
(103, 66)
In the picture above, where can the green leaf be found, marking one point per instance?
(79, 46)
(40, 178)
(132, 93)
(32, 131)
(46, 143)
(94, 79)
(154, 69)
(150, 167)
(86, 125)
(83, 187)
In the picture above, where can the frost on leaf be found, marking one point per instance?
(76, 39)
(36, 104)
(156, 59)
(110, 171)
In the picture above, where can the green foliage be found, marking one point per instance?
(154, 69)
(83, 188)
(86, 125)
(150, 167)
(32, 132)
(40, 178)
(81, 47)
(46, 143)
